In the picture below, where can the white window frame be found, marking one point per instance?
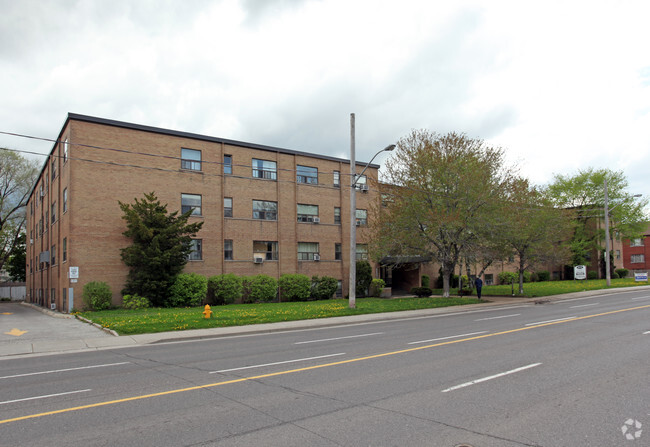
(306, 213)
(307, 250)
(307, 175)
(189, 160)
(262, 210)
(265, 169)
(197, 250)
(268, 250)
(186, 205)
(637, 259)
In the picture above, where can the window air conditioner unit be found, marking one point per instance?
(358, 223)
(316, 257)
(363, 188)
(316, 220)
(31, 242)
(42, 193)
(259, 260)
(53, 306)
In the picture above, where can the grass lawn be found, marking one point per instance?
(144, 321)
(129, 322)
(547, 288)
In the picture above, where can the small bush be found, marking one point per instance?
(376, 286)
(425, 280)
(592, 274)
(135, 302)
(615, 275)
(622, 273)
(543, 275)
(323, 288)
(527, 276)
(507, 277)
(224, 289)
(97, 295)
(421, 292)
(260, 288)
(188, 290)
(294, 287)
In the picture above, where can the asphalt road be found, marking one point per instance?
(566, 373)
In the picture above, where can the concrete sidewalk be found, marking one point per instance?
(27, 330)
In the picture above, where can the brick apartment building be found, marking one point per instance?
(265, 209)
(636, 253)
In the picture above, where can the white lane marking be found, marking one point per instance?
(549, 321)
(484, 379)
(337, 338)
(63, 370)
(496, 318)
(43, 397)
(646, 333)
(584, 305)
(277, 363)
(447, 338)
(641, 298)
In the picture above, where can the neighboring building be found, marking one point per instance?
(636, 253)
(265, 209)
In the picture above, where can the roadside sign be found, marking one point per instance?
(580, 272)
(641, 276)
(73, 273)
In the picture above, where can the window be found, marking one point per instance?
(306, 213)
(362, 217)
(227, 250)
(197, 250)
(264, 169)
(190, 159)
(618, 254)
(337, 179)
(489, 279)
(268, 250)
(307, 250)
(337, 215)
(65, 150)
(307, 174)
(636, 259)
(638, 242)
(362, 252)
(191, 202)
(386, 199)
(65, 199)
(53, 169)
(227, 164)
(64, 255)
(53, 212)
(47, 220)
(338, 255)
(40, 226)
(227, 207)
(53, 255)
(265, 210)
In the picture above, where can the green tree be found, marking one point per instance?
(364, 277)
(443, 192)
(534, 229)
(17, 260)
(17, 177)
(584, 192)
(161, 245)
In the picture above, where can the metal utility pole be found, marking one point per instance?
(352, 292)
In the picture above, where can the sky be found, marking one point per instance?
(559, 85)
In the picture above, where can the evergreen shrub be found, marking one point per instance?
(224, 289)
(376, 286)
(97, 295)
(323, 288)
(294, 287)
(188, 290)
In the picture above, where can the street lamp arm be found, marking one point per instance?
(388, 148)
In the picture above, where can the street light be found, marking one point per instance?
(608, 276)
(352, 291)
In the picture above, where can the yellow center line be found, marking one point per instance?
(308, 368)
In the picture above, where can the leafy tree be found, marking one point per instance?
(534, 229)
(444, 192)
(161, 245)
(17, 260)
(17, 176)
(585, 193)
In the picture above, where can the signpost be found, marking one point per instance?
(579, 272)
(641, 276)
(73, 274)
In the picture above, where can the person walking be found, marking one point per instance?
(479, 285)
